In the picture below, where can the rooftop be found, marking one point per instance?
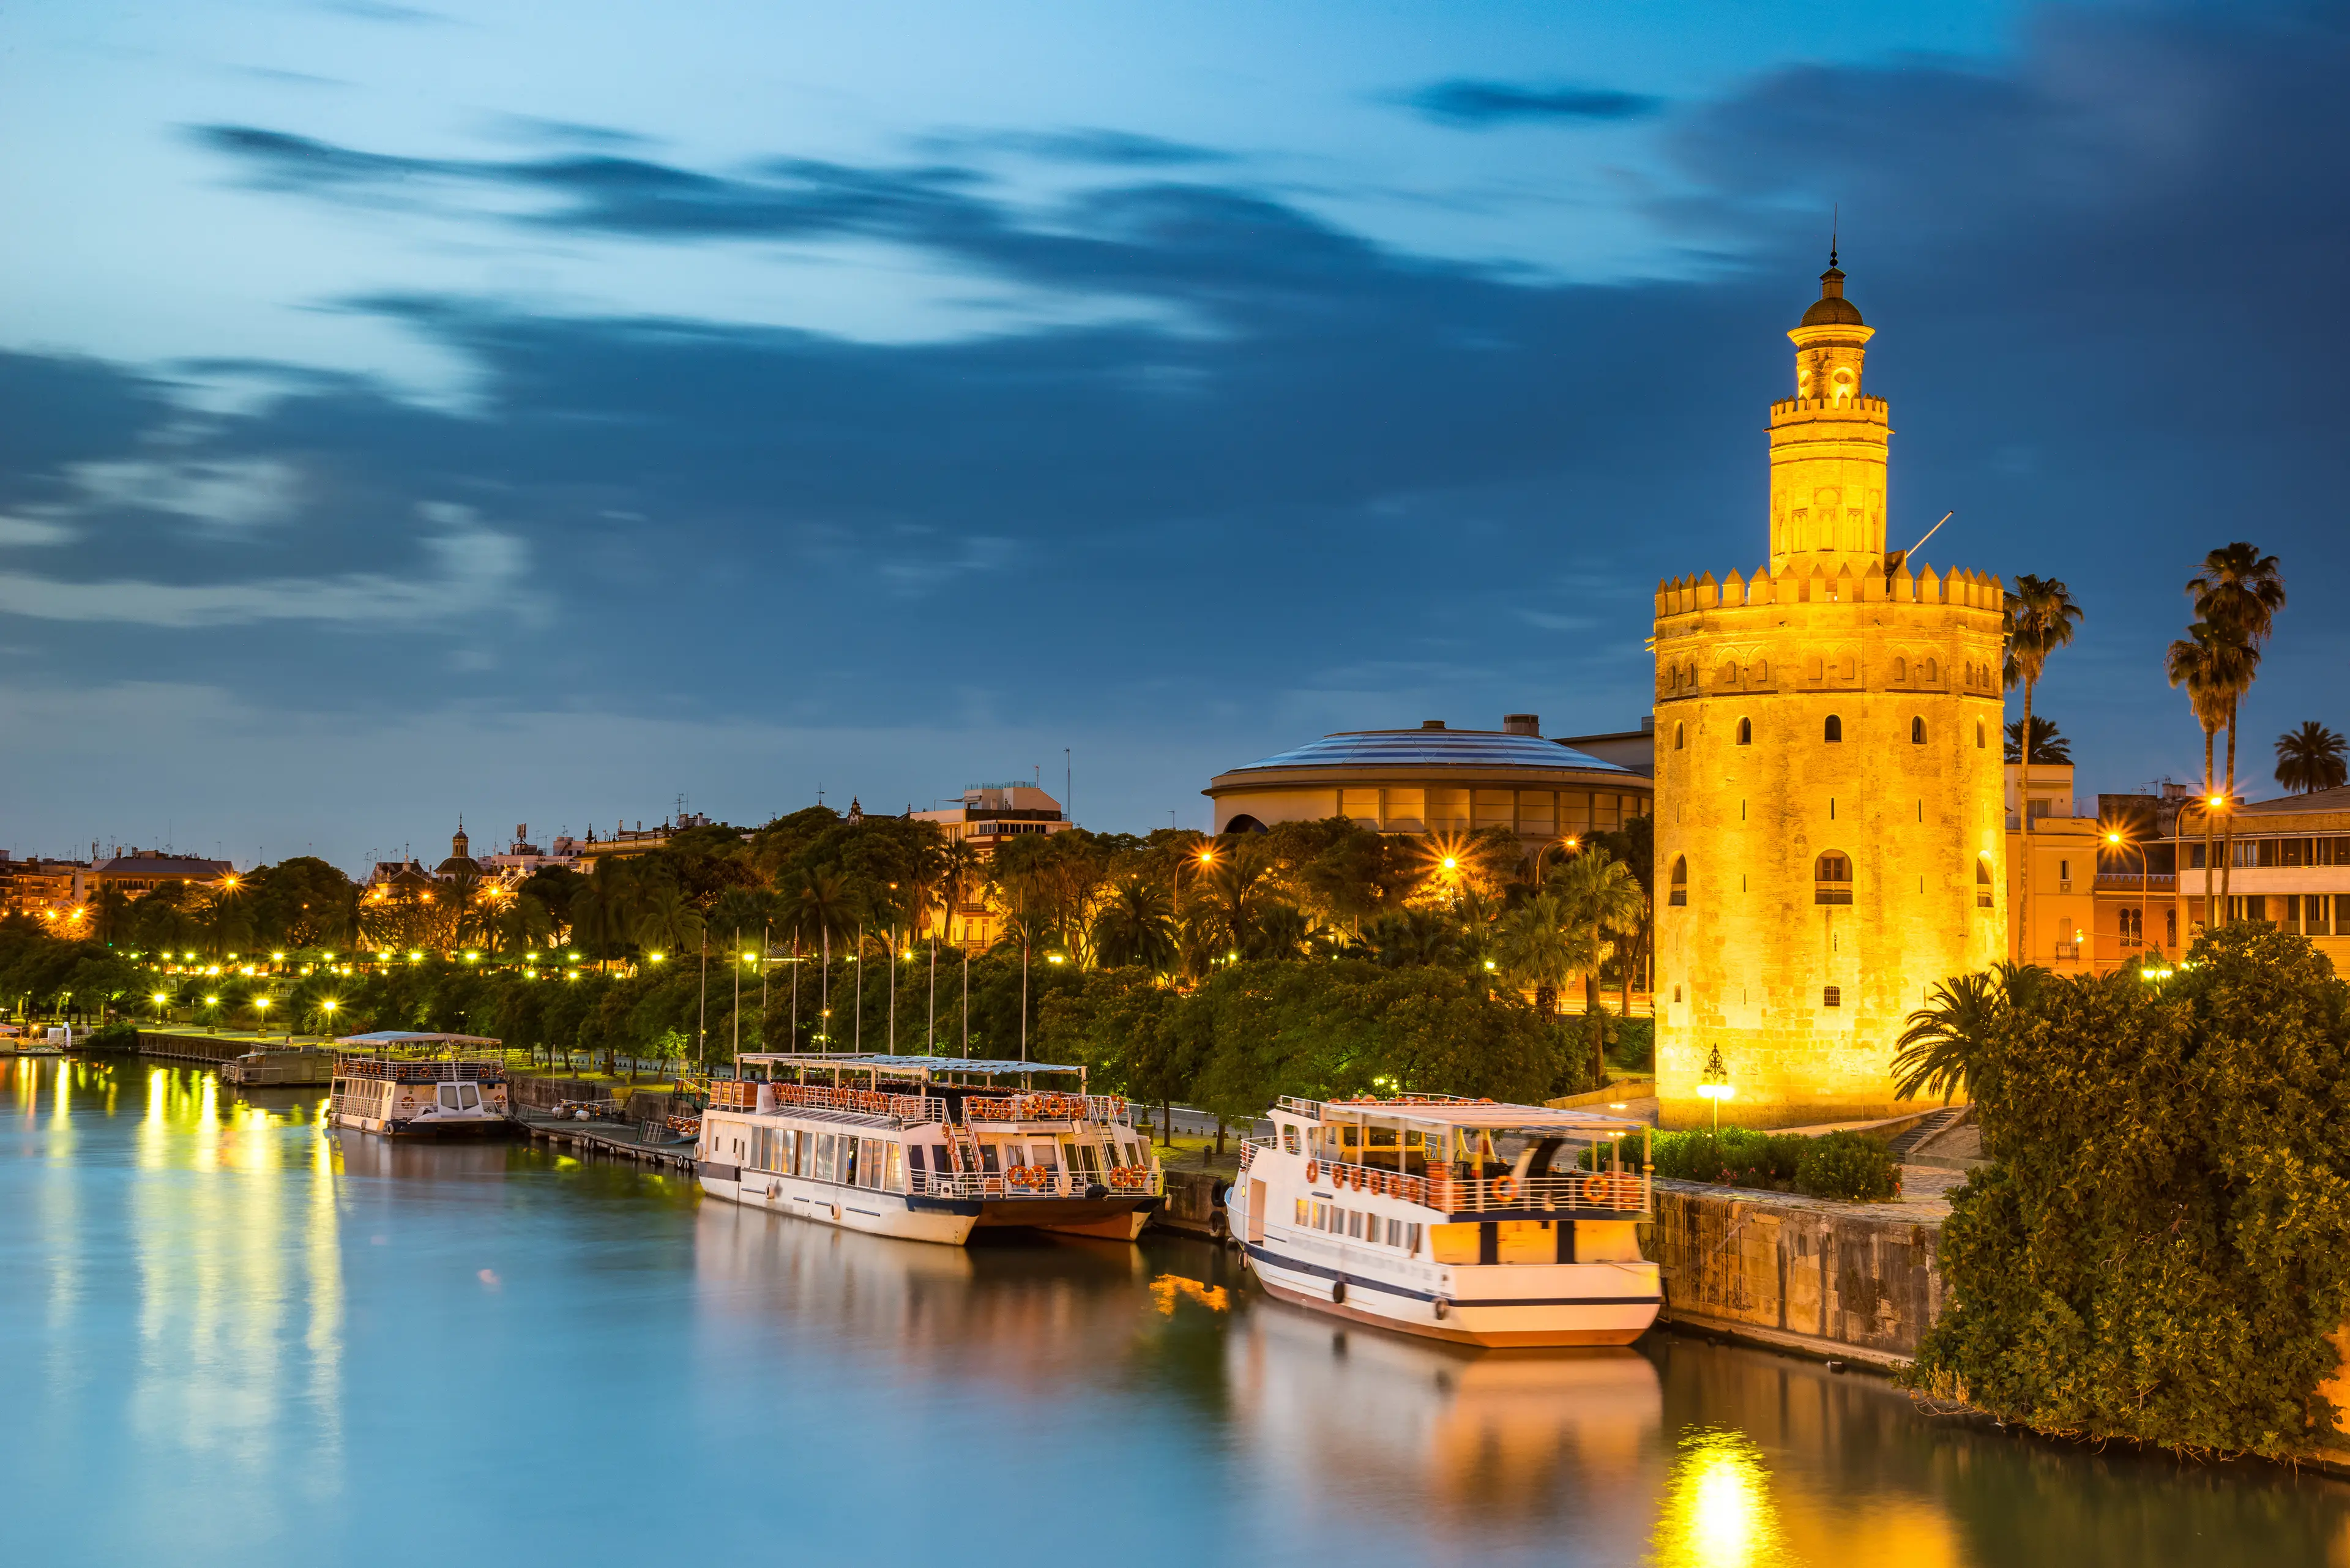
(1434, 746)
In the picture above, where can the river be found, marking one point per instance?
(227, 1337)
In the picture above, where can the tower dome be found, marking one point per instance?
(1832, 308)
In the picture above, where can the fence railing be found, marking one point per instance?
(383, 1068)
(1034, 1182)
(742, 1094)
(1045, 1108)
(1603, 1191)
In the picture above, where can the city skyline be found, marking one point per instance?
(879, 403)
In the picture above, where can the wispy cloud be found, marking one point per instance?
(1476, 105)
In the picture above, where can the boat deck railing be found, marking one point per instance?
(1578, 1192)
(1045, 1108)
(911, 1110)
(398, 1071)
(1034, 1182)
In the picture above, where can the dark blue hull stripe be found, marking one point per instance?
(1354, 1282)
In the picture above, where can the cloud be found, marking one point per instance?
(381, 11)
(479, 570)
(233, 495)
(1478, 105)
(1089, 145)
(32, 531)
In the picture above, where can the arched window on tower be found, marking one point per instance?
(1680, 736)
(1979, 734)
(1681, 880)
(1746, 731)
(1900, 669)
(1832, 877)
(1983, 884)
(1917, 731)
(1834, 730)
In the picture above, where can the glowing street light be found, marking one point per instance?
(1713, 1084)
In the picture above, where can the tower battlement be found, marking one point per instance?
(1693, 595)
(1867, 410)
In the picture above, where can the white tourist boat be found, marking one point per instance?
(1459, 1220)
(928, 1149)
(438, 1097)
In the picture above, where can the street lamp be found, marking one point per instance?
(328, 1007)
(1713, 1083)
(2207, 804)
(1570, 844)
(2118, 839)
(260, 1014)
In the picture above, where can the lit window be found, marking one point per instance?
(1834, 729)
(1832, 996)
(1832, 878)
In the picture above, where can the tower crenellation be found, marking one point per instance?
(1829, 818)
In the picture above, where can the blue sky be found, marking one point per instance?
(545, 414)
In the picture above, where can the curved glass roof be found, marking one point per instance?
(1434, 748)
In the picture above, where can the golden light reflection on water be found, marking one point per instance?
(1718, 1511)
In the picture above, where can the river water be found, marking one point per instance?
(227, 1337)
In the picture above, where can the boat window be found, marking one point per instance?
(846, 1174)
(1305, 1213)
(1354, 1224)
(1320, 1221)
(987, 1158)
(914, 1156)
(894, 1178)
(824, 1155)
(448, 1096)
(1289, 1140)
(870, 1172)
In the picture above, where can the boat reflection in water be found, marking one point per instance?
(1510, 1444)
(358, 1153)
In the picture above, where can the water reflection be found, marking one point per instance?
(227, 1333)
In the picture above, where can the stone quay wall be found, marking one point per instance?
(1857, 1281)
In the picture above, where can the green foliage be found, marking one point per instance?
(1849, 1165)
(119, 1035)
(2162, 1245)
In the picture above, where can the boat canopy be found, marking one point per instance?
(408, 1037)
(911, 1066)
(1431, 1111)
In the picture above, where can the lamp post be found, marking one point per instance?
(2117, 839)
(1713, 1084)
(328, 1007)
(260, 1015)
(2207, 804)
(1570, 843)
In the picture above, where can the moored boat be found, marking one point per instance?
(930, 1148)
(442, 1096)
(293, 1065)
(1459, 1220)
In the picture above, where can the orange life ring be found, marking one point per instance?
(1505, 1188)
(1313, 1170)
(1594, 1191)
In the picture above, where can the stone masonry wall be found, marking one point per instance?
(1861, 1281)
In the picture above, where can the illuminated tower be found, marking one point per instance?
(1830, 828)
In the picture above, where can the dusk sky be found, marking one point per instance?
(542, 412)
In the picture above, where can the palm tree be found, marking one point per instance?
(1602, 898)
(667, 919)
(2049, 747)
(2041, 616)
(109, 907)
(1137, 928)
(2311, 759)
(1540, 946)
(2239, 591)
(1943, 1046)
(2208, 664)
(956, 875)
(821, 901)
(602, 908)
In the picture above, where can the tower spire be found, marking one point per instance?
(1835, 222)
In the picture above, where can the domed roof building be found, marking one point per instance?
(1435, 779)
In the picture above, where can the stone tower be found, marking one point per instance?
(1830, 828)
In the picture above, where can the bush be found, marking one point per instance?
(119, 1035)
(2161, 1248)
(1738, 1156)
(1849, 1165)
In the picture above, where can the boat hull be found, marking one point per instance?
(910, 1219)
(1579, 1304)
(432, 1129)
(1112, 1219)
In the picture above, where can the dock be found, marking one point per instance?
(626, 1140)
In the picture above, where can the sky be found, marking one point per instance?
(555, 414)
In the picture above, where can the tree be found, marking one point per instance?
(2311, 759)
(2237, 592)
(667, 919)
(603, 908)
(2209, 665)
(1540, 946)
(2049, 747)
(1946, 1045)
(2041, 616)
(1135, 928)
(1602, 898)
(2160, 1249)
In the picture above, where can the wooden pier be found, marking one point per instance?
(624, 1140)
